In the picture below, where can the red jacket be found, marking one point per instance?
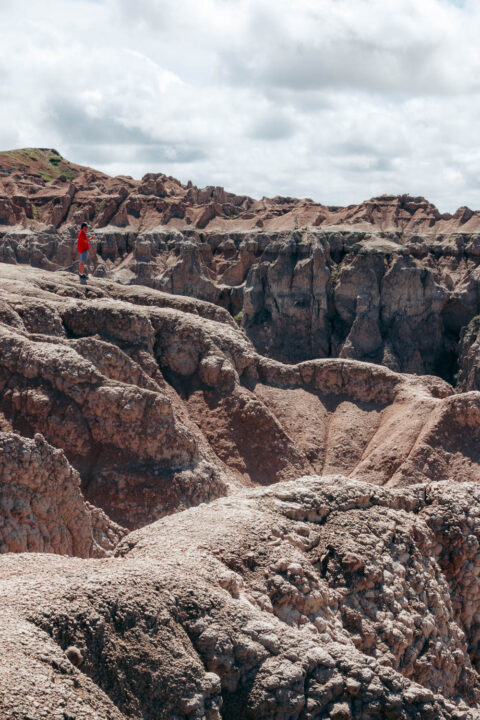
(83, 243)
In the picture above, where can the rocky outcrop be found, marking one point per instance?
(398, 301)
(305, 295)
(43, 509)
(390, 281)
(39, 187)
(469, 357)
(320, 598)
(304, 597)
(161, 402)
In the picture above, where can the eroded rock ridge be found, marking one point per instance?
(192, 525)
(391, 281)
(318, 598)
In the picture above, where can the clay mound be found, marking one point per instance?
(161, 408)
(320, 598)
(85, 376)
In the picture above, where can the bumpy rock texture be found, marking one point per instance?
(319, 598)
(192, 530)
(40, 187)
(390, 281)
(469, 368)
(42, 507)
(161, 402)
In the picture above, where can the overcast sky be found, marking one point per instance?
(337, 100)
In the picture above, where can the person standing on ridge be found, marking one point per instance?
(83, 246)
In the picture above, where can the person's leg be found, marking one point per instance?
(83, 260)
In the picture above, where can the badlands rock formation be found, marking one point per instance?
(318, 598)
(192, 528)
(390, 281)
(161, 402)
(469, 370)
(42, 506)
(40, 187)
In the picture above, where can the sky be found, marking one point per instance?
(335, 100)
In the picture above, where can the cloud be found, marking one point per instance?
(397, 46)
(272, 125)
(333, 99)
(132, 155)
(72, 120)
(384, 45)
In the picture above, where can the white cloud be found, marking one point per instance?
(332, 99)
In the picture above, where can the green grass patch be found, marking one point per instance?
(238, 317)
(334, 273)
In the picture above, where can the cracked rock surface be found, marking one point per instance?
(161, 403)
(191, 530)
(318, 598)
(42, 506)
(391, 280)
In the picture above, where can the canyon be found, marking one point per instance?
(390, 281)
(240, 464)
